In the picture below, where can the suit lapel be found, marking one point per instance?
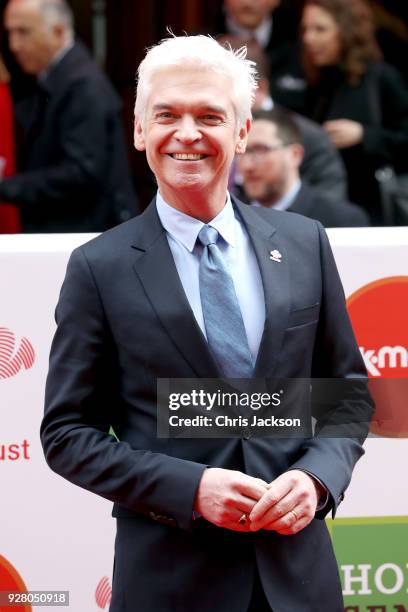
(158, 274)
(275, 280)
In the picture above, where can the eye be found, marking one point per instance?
(165, 116)
(212, 119)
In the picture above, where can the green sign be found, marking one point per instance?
(372, 554)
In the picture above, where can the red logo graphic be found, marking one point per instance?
(103, 593)
(378, 312)
(12, 359)
(10, 580)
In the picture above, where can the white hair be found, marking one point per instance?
(202, 52)
(57, 12)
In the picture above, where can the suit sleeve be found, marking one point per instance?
(82, 403)
(322, 165)
(342, 424)
(81, 165)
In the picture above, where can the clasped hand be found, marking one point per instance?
(286, 505)
(344, 133)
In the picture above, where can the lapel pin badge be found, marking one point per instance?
(275, 256)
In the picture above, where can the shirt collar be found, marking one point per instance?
(267, 104)
(185, 229)
(261, 34)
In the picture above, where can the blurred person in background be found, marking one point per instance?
(321, 164)
(361, 101)
(273, 24)
(74, 175)
(9, 214)
(271, 178)
(391, 21)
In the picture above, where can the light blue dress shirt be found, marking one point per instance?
(239, 256)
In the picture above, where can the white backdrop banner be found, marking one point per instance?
(57, 537)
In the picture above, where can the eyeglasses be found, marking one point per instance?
(259, 151)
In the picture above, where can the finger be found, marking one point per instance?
(263, 483)
(276, 512)
(335, 123)
(228, 517)
(286, 521)
(254, 488)
(330, 125)
(237, 521)
(240, 503)
(295, 527)
(278, 489)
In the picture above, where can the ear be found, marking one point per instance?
(242, 138)
(298, 154)
(139, 140)
(59, 31)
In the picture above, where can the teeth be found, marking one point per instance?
(188, 156)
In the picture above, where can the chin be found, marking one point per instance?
(254, 194)
(187, 181)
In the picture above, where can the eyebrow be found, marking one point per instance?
(207, 107)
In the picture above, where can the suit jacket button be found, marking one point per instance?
(247, 433)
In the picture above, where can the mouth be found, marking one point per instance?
(187, 156)
(313, 52)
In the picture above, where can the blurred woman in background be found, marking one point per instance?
(361, 101)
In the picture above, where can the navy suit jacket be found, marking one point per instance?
(123, 321)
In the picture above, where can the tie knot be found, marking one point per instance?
(208, 235)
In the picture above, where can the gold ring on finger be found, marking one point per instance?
(295, 515)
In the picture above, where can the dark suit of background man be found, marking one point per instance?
(74, 174)
(270, 170)
(207, 524)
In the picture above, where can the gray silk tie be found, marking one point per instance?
(224, 326)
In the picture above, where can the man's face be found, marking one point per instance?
(32, 43)
(267, 167)
(190, 132)
(250, 13)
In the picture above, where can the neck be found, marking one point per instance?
(204, 205)
(278, 194)
(67, 42)
(271, 200)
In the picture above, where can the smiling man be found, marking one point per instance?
(189, 290)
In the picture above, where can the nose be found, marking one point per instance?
(187, 131)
